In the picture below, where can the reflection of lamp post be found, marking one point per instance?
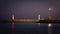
(39, 28)
(49, 28)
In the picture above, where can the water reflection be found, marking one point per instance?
(29, 28)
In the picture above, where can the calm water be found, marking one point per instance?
(28, 28)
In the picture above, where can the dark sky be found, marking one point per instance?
(28, 9)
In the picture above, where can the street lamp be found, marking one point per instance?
(49, 17)
(49, 11)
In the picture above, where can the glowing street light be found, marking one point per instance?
(12, 17)
(39, 17)
(49, 17)
(49, 10)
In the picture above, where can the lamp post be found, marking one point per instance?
(49, 17)
(49, 10)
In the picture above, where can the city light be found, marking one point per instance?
(50, 9)
(49, 25)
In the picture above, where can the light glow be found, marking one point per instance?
(38, 17)
(12, 17)
(50, 9)
(49, 25)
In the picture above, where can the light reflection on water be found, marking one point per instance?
(29, 28)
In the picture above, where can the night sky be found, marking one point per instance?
(28, 9)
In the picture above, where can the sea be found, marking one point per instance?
(29, 28)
